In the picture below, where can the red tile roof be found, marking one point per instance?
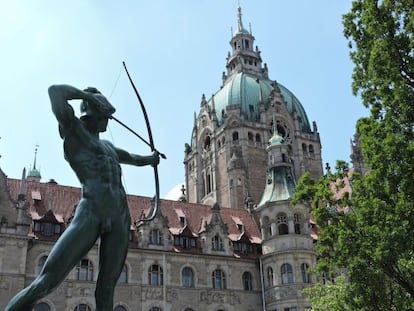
(61, 200)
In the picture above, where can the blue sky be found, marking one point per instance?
(175, 51)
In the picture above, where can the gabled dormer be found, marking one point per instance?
(153, 234)
(48, 227)
(214, 235)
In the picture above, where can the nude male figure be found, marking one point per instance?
(101, 212)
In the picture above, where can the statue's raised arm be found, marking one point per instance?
(93, 102)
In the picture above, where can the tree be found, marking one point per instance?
(366, 222)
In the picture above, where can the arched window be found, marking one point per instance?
(304, 149)
(311, 151)
(282, 224)
(258, 138)
(82, 307)
(208, 183)
(286, 273)
(207, 143)
(155, 276)
(250, 136)
(217, 243)
(42, 306)
(297, 221)
(155, 309)
(187, 277)
(155, 237)
(269, 277)
(235, 138)
(84, 270)
(247, 281)
(41, 263)
(123, 277)
(219, 279)
(120, 308)
(304, 269)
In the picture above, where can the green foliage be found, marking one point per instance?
(366, 222)
(330, 296)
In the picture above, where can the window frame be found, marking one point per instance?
(155, 275)
(219, 279)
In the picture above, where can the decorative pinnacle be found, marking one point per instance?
(240, 23)
(275, 131)
(34, 164)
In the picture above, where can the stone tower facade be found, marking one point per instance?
(226, 160)
(287, 245)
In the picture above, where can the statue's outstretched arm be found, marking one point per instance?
(138, 160)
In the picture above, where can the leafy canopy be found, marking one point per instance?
(366, 222)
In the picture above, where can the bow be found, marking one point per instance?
(155, 209)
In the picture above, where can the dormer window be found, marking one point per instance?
(155, 237)
(216, 243)
(46, 228)
(184, 242)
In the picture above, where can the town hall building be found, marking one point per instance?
(232, 242)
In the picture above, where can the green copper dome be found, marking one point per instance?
(249, 92)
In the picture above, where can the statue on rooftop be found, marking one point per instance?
(102, 211)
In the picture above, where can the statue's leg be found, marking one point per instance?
(113, 251)
(74, 243)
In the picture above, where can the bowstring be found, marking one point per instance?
(109, 128)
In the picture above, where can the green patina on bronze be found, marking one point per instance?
(102, 211)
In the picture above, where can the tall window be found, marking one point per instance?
(123, 277)
(286, 272)
(311, 151)
(41, 307)
(84, 271)
(155, 237)
(41, 263)
(269, 276)
(155, 276)
(82, 307)
(304, 269)
(247, 281)
(217, 243)
(235, 138)
(297, 221)
(187, 277)
(282, 224)
(219, 279)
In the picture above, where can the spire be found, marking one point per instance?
(34, 174)
(274, 125)
(22, 189)
(239, 21)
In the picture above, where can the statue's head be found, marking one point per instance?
(103, 110)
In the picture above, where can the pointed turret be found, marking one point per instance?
(34, 173)
(280, 183)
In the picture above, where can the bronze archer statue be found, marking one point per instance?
(102, 211)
